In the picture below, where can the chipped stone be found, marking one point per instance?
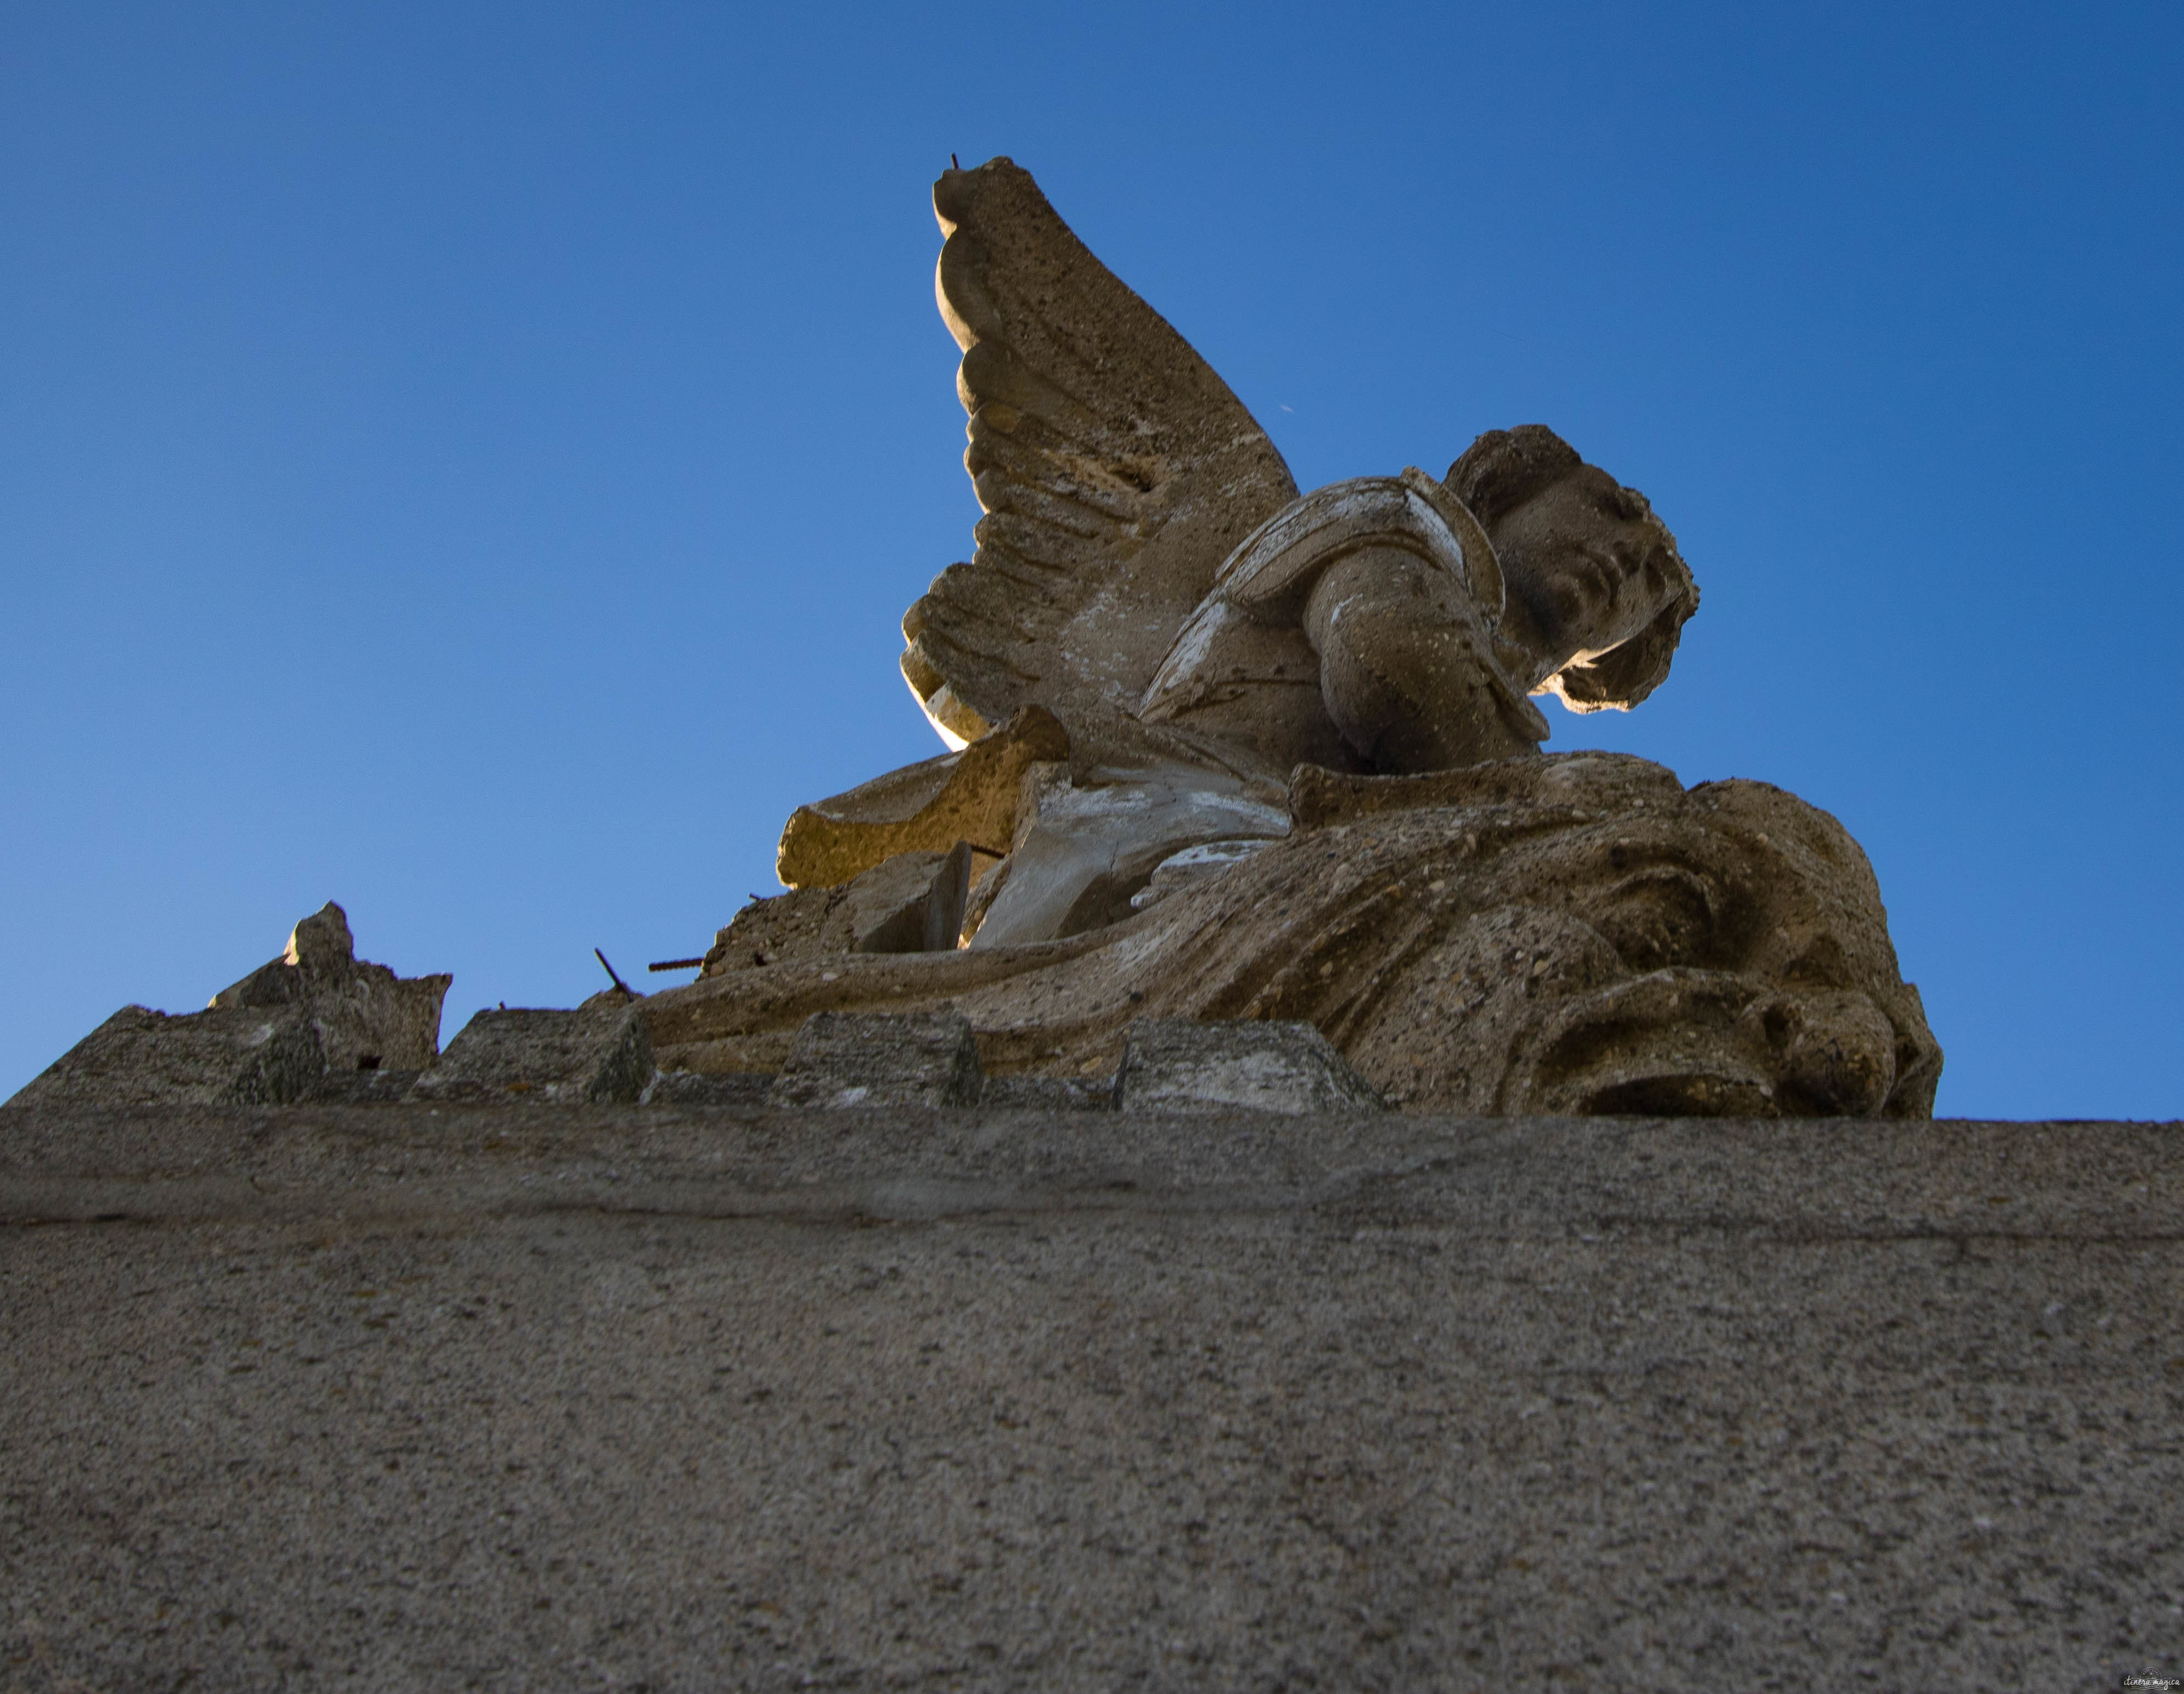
(269, 1039)
(368, 1018)
(564, 1058)
(911, 903)
(234, 1056)
(844, 1059)
(1173, 1064)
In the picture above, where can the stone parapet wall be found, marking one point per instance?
(541, 1397)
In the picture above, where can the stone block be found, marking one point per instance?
(1172, 1064)
(563, 1057)
(237, 1056)
(1195, 865)
(866, 1059)
(1083, 851)
(911, 903)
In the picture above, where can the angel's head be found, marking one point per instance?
(1597, 593)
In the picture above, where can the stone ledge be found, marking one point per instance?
(519, 1396)
(2093, 1181)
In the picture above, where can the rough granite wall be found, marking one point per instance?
(569, 1397)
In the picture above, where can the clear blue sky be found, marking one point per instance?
(469, 461)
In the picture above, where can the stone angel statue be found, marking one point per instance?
(1223, 749)
(1148, 575)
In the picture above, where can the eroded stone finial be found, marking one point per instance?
(321, 939)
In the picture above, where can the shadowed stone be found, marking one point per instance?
(266, 1039)
(364, 1087)
(1171, 1064)
(237, 1056)
(1572, 933)
(709, 1088)
(564, 1058)
(911, 903)
(859, 1059)
(1048, 1093)
(368, 1019)
(1083, 852)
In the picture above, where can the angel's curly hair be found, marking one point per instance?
(1503, 469)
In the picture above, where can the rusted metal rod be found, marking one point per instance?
(610, 970)
(676, 963)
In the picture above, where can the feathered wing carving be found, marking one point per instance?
(1115, 470)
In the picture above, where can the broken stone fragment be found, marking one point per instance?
(266, 1039)
(844, 1059)
(913, 902)
(1083, 851)
(1172, 1064)
(562, 1058)
(969, 796)
(368, 1018)
(234, 1056)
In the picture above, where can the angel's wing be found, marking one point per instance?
(1116, 470)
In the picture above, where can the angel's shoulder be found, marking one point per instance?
(1272, 572)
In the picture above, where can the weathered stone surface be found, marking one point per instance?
(969, 796)
(563, 1057)
(842, 1059)
(270, 1037)
(368, 1018)
(364, 1087)
(1385, 593)
(1193, 864)
(231, 1056)
(1574, 932)
(911, 903)
(1083, 851)
(707, 1088)
(543, 1398)
(1174, 1064)
(1023, 1093)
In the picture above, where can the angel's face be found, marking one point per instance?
(1591, 563)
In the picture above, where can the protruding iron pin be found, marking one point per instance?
(610, 970)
